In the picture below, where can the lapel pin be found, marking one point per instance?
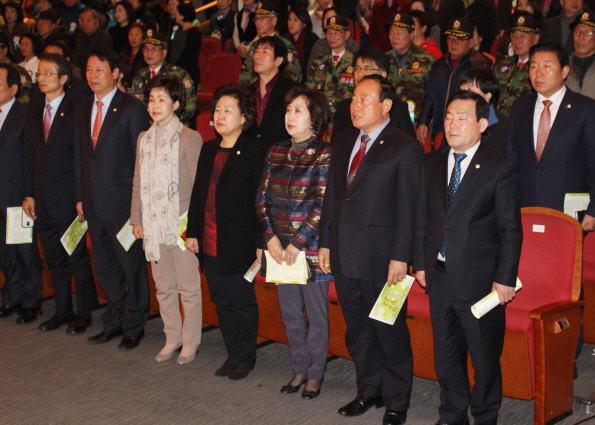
(115, 109)
(568, 106)
(382, 142)
(477, 166)
(62, 114)
(310, 151)
(238, 152)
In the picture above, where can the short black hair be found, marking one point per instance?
(337, 10)
(485, 80)
(482, 109)
(422, 19)
(13, 77)
(550, 48)
(36, 41)
(105, 55)
(245, 100)
(16, 7)
(302, 14)
(317, 103)
(128, 8)
(187, 11)
(64, 67)
(49, 15)
(375, 55)
(173, 86)
(387, 91)
(279, 48)
(61, 44)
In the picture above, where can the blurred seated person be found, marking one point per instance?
(90, 37)
(124, 15)
(69, 14)
(143, 15)
(244, 29)
(431, 19)
(168, 21)
(221, 24)
(383, 13)
(31, 48)
(532, 7)
(47, 26)
(421, 33)
(581, 77)
(321, 47)
(25, 83)
(299, 32)
(186, 41)
(14, 28)
(136, 59)
(363, 12)
(318, 16)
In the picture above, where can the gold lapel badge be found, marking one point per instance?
(568, 106)
(62, 114)
(382, 142)
(477, 166)
(238, 152)
(115, 109)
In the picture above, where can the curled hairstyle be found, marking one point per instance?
(317, 103)
(173, 86)
(554, 48)
(279, 48)
(245, 100)
(64, 67)
(387, 91)
(485, 80)
(375, 55)
(482, 109)
(12, 77)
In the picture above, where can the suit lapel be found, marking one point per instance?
(376, 149)
(278, 90)
(59, 119)
(471, 178)
(234, 156)
(9, 122)
(110, 118)
(563, 117)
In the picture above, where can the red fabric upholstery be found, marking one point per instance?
(210, 46)
(222, 68)
(204, 125)
(438, 140)
(418, 301)
(589, 257)
(332, 292)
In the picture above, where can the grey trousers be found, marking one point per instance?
(307, 338)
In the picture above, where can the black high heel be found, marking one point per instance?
(309, 395)
(290, 389)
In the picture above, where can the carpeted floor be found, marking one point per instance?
(55, 379)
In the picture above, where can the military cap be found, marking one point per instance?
(338, 23)
(461, 28)
(586, 18)
(524, 22)
(266, 8)
(401, 20)
(156, 38)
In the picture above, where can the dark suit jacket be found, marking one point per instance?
(568, 159)
(552, 33)
(399, 116)
(272, 127)
(238, 234)
(371, 223)
(104, 174)
(11, 157)
(49, 167)
(495, 136)
(481, 229)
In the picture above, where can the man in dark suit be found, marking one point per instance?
(554, 145)
(20, 263)
(107, 128)
(366, 239)
(556, 29)
(270, 59)
(49, 194)
(468, 237)
(371, 61)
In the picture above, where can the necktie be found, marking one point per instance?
(152, 74)
(357, 159)
(47, 122)
(335, 59)
(543, 131)
(453, 186)
(521, 64)
(97, 124)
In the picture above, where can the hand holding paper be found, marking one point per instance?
(391, 300)
(483, 306)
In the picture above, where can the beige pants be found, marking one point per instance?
(175, 273)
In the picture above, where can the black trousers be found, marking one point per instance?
(122, 275)
(21, 266)
(63, 266)
(382, 353)
(457, 331)
(237, 311)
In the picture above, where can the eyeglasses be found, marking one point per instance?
(583, 33)
(366, 69)
(44, 74)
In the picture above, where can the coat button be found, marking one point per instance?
(346, 199)
(258, 135)
(446, 226)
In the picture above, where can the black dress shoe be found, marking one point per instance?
(241, 370)
(394, 417)
(461, 422)
(227, 367)
(104, 337)
(56, 321)
(78, 325)
(359, 406)
(9, 310)
(28, 315)
(130, 342)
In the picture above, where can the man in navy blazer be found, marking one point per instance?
(20, 264)
(49, 193)
(366, 239)
(468, 237)
(104, 169)
(567, 162)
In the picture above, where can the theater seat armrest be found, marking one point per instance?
(548, 310)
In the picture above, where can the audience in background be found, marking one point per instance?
(124, 15)
(14, 28)
(31, 47)
(221, 24)
(299, 33)
(185, 42)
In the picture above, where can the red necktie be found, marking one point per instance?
(97, 124)
(357, 159)
(47, 122)
(543, 131)
(521, 64)
(335, 59)
(152, 74)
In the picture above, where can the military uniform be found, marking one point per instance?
(26, 82)
(144, 75)
(337, 82)
(410, 79)
(292, 70)
(514, 83)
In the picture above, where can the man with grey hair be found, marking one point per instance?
(89, 37)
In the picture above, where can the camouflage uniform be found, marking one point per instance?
(26, 82)
(144, 75)
(336, 82)
(410, 80)
(514, 83)
(292, 70)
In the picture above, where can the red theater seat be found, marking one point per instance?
(222, 68)
(204, 125)
(589, 287)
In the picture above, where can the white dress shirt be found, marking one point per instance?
(539, 107)
(372, 135)
(5, 110)
(107, 99)
(55, 104)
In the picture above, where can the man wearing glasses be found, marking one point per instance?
(446, 72)
(409, 63)
(581, 77)
(49, 193)
(155, 51)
